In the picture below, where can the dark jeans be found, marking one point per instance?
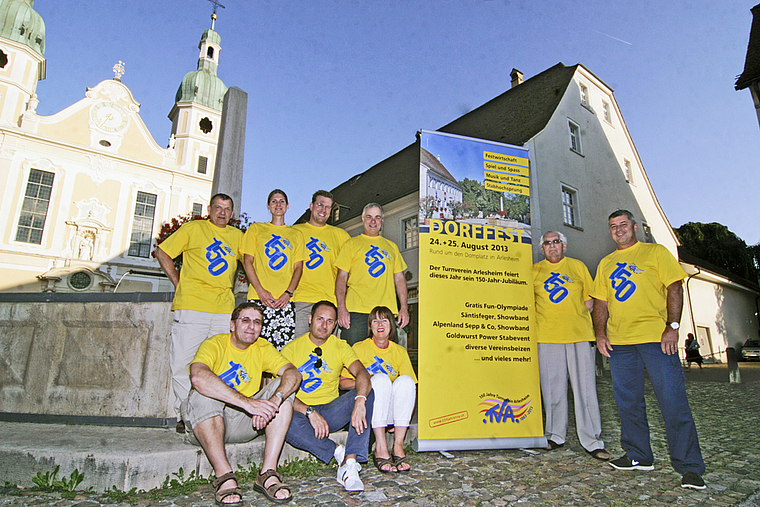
(337, 413)
(627, 363)
(358, 330)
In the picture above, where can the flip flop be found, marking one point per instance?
(401, 460)
(381, 462)
(600, 454)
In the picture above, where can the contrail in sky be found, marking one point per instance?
(611, 37)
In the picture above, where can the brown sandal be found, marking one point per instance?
(272, 490)
(220, 495)
(401, 460)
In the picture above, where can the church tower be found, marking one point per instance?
(197, 112)
(22, 58)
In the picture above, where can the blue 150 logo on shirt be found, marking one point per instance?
(215, 253)
(315, 248)
(274, 249)
(374, 259)
(311, 382)
(622, 284)
(380, 366)
(554, 285)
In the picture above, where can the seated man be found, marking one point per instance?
(319, 410)
(224, 407)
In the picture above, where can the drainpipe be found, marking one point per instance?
(688, 295)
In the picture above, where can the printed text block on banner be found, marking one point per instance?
(477, 356)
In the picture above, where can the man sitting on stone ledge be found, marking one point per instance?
(319, 410)
(225, 407)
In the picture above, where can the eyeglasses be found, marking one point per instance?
(318, 352)
(325, 206)
(552, 242)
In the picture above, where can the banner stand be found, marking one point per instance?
(477, 355)
(478, 444)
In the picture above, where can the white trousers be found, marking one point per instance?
(189, 329)
(558, 362)
(394, 401)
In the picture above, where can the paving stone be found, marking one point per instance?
(513, 478)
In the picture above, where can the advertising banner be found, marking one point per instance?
(478, 362)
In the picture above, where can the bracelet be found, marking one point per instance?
(360, 396)
(289, 293)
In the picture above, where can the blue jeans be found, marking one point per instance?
(627, 363)
(337, 413)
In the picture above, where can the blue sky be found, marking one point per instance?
(336, 86)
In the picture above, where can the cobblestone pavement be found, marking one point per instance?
(727, 418)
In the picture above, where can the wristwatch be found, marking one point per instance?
(279, 395)
(289, 293)
(673, 325)
(309, 410)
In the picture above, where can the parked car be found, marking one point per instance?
(751, 350)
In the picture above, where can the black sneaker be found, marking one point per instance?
(626, 463)
(692, 480)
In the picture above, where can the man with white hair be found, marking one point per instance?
(566, 345)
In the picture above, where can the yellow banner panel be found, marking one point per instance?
(506, 159)
(502, 187)
(508, 178)
(493, 166)
(478, 358)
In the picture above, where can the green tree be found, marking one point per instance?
(489, 202)
(475, 193)
(717, 245)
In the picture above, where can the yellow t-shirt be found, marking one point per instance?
(240, 369)
(209, 263)
(561, 291)
(319, 271)
(634, 282)
(275, 250)
(319, 385)
(371, 263)
(393, 361)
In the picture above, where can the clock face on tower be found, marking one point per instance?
(109, 117)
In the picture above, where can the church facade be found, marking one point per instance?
(84, 191)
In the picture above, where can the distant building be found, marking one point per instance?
(85, 191)
(583, 166)
(750, 76)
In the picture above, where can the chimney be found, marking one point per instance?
(517, 77)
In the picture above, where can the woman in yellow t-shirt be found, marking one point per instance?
(394, 384)
(273, 256)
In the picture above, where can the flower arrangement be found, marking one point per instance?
(429, 205)
(463, 209)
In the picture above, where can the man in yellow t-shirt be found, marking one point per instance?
(370, 274)
(203, 299)
(323, 242)
(639, 298)
(226, 405)
(319, 410)
(565, 345)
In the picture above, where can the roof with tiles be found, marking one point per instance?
(752, 62)
(514, 117)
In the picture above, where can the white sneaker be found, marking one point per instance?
(348, 476)
(339, 453)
